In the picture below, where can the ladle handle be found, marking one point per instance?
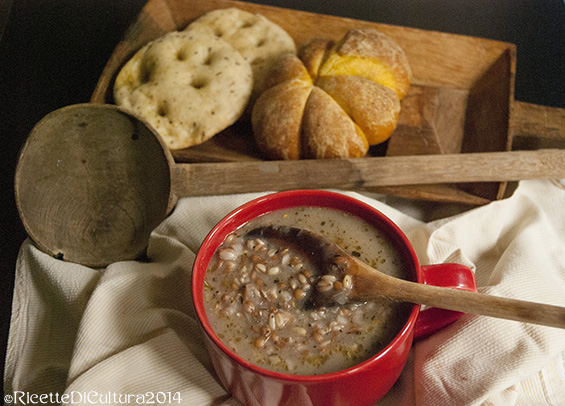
(198, 179)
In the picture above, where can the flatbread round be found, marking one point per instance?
(258, 39)
(188, 85)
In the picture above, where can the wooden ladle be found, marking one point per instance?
(91, 184)
(368, 283)
(93, 181)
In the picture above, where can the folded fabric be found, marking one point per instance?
(129, 329)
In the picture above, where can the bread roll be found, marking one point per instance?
(374, 107)
(188, 85)
(333, 100)
(314, 53)
(257, 38)
(323, 126)
(280, 116)
(372, 54)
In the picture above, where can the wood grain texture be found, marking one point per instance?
(85, 188)
(368, 282)
(543, 126)
(361, 173)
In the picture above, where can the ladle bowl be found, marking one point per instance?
(86, 191)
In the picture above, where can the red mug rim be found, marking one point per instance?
(274, 201)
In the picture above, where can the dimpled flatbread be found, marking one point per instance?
(188, 85)
(258, 39)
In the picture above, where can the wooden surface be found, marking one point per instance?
(365, 173)
(460, 101)
(535, 126)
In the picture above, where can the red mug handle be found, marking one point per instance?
(448, 275)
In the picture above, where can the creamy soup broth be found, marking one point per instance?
(255, 291)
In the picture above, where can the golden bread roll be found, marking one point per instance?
(280, 116)
(333, 100)
(371, 54)
(374, 107)
(323, 127)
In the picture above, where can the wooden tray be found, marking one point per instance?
(461, 99)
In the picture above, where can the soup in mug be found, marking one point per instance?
(256, 294)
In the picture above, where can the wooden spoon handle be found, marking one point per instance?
(459, 300)
(486, 305)
(254, 176)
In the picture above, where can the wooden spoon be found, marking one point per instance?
(368, 283)
(93, 181)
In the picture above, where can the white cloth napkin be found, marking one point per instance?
(84, 336)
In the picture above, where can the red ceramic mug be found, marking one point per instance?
(363, 384)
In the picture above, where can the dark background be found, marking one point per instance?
(53, 51)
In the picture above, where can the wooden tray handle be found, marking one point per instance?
(537, 127)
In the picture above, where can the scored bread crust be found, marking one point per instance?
(288, 68)
(314, 53)
(279, 114)
(325, 102)
(324, 125)
(295, 119)
(374, 107)
(370, 46)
